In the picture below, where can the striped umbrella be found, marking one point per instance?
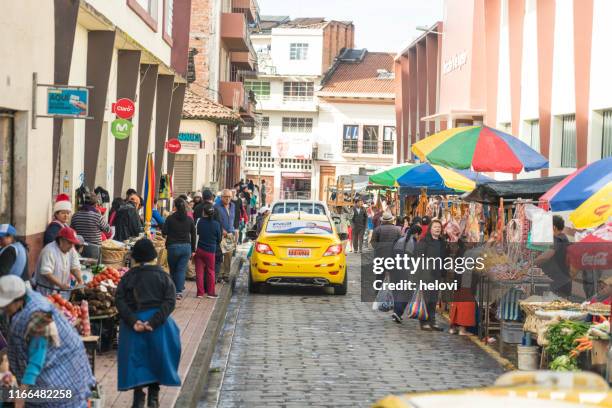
(149, 189)
(588, 191)
(481, 148)
(423, 175)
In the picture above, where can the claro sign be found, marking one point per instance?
(454, 63)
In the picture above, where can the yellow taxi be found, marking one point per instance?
(518, 389)
(298, 249)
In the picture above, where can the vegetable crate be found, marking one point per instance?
(599, 352)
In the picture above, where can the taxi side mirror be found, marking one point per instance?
(343, 236)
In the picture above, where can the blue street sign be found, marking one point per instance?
(67, 102)
(190, 137)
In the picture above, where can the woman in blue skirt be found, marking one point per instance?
(149, 339)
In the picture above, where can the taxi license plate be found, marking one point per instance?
(298, 252)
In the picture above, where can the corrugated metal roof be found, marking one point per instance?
(354, 76)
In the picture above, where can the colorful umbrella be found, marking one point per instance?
(480, 147)
(588, 190)
(423, 175)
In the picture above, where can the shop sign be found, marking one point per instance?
(121, 128)
(173, 145)
(124, 108)
(192, 141)
(294, 146)
(67, 101)
(454, 63)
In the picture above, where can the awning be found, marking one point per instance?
(528, 189)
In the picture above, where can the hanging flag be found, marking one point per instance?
(149, 191)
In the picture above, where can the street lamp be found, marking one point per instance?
(428, 30)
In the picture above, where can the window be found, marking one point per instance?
(146, 10)
(303, 227)
(388, 139)
(349, 138)
(168, 14)
(261, 89)
(370, 139)
(298, 91)
(259, 158)
(606, 137)
(298, 51)
(299, 125)
(533, 134)
(263, 126)
(568, 141)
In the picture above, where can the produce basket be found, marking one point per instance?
(113, 252)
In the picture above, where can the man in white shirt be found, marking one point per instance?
(57, 262)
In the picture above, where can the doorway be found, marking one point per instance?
(328, 177)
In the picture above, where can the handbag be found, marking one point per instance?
(418, 308)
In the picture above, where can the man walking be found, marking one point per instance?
(359, 221)
(262, 192)
(227, 212)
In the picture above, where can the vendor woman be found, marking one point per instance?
(149, 339)
(13, 253)
(44, 350)
(58, 262)
(61, 214)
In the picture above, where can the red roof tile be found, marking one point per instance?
(200, 107)
(362, 77)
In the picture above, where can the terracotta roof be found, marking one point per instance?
(360, 72)
(311, 22)
(200, 107)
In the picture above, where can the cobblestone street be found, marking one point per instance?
(304, 347)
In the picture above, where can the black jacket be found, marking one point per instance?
(199, 209)
(429, 248)
(383, 239)
(179, 231)
(359, 220)
(127, 222)
(145, 287)
(237, 212)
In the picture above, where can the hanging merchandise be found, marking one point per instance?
(103, 194)
(541, 224)
(421, 209)
(500, 221)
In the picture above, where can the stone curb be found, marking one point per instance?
(197, 376)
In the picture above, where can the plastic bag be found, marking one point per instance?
(384, 300)
(417, 308)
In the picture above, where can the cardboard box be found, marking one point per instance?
(599, 352)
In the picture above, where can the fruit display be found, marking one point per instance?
(108, 277)
(71, 312)
(85, 323)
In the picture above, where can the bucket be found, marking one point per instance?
(527, 358)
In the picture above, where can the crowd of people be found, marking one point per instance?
(43, 350)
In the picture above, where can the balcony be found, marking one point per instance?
(246, 7)
(235, 32)
(233, 95)
(244, 60)
(370, 147)
(247, 131)
(349, 146)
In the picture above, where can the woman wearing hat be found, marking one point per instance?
(13, 253)
(149, 339)
(44, 350)
(61, 213)
(57, 263)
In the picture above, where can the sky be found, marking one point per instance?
(380, 25)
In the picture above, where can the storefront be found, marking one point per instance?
(296, 186)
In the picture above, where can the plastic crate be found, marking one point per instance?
(511, 331)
